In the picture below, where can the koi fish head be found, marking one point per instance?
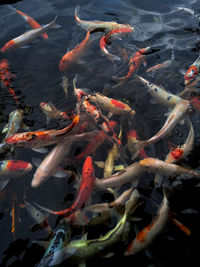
(45, 106)
(190, 74)
(88, 168)
(19, 166)
(8, 46)
(4, 64)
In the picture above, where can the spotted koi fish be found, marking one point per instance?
(32, 23)
(41, 138)
(192, 72)
(134, 63)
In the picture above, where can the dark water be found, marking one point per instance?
(38, 80)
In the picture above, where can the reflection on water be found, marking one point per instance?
(38, 79)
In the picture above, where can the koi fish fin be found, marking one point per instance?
(100, 164)
(44, 208)
(41, 243)
(134, 219)
(182, 227)
(189, 211)
(182, 71)
(158, 180)
(81, 61)
(153, 101)
(5, 129)
(25, 46)
(54, 25)
(119, 80)
(65, 84)
(106, 90)
(36, 162)
(61, 173)
(108, 255)
(3, 184)
(25, 127)
(42, 150)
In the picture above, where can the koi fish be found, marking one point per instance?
(159, 94)
(60, 239)
(32, 23)
(161, 167)
(15, 123)
(84, 192)
(130, 174)
(73, 55)
(38, 216)
(93, 25)
(10, 169)
(132, 138)
(49, 166)
(195, 102)
(105, 39)
(27, 37)
(146, 236)
(191, 73)
(135, 61)
(159, 66)
(175, 116)
(78, 251)
(41, 138)
(6, 78)
(112, 105)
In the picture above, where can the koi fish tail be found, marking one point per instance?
(44, 208)
(119, 81)
(76, 13)
(182, 227)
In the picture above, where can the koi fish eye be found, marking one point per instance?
(27, 136)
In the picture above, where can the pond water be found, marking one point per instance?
(172, 34)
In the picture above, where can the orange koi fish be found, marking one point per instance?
(41, 138)
(193, 70)
(84, 192)
(96, 24)
(6, 78)
(135, 61)
(145, 237)
(105, 39)
(27, 37)
(32, 23)
(73, 55)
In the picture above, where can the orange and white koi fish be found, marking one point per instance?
(32, 23)
(96, 24)
(145, 237)
(73, 56)
(192, 72)
(161, 167)
(160, 94)
(177, 114)
(41, 138)
(84, 192)
(105, 39)
(27, 37)
(134, 63)
(112, 105)
(6, 78)
(160, 66)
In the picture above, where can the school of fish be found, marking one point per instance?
(97, 123)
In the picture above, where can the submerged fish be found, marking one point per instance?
(96, 24)
(27, 37)
(192, 72)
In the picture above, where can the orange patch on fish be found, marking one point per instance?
(117, 104)
(177, 153)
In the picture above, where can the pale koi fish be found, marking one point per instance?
(96, 24)
(27, 37)
(160, 66)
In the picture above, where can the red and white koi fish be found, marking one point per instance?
(135, 61)
(32, 23)
(10, 169)
(105, 39)
(6, 78)
(27, 37)
(192, 72)
(84, 192)
(41, 138)
(72, 56)
(112, 105)
(161, 167)
(96, 24)
(145, 237)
